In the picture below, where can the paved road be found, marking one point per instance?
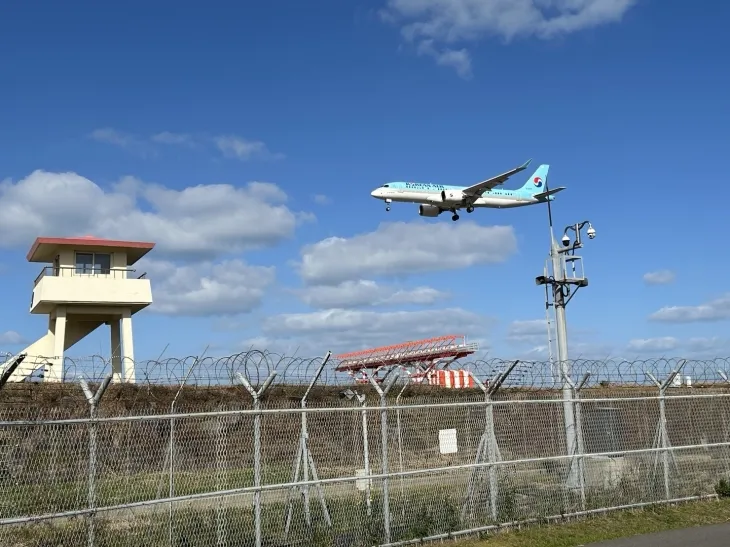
(717, 535)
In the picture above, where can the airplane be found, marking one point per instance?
(434, 199)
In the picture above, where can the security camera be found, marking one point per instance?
(591, 232)
(566, 240)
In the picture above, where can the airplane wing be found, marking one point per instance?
(479, 188)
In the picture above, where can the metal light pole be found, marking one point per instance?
(562, 293)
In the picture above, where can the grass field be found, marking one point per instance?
(198, 527)
(611, 526)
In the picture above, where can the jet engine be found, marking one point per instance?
(452, 196)
(429, 210)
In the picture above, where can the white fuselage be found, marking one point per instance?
(498, 199)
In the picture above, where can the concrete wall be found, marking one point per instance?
(81, 289)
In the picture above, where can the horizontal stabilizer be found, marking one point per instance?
(550, 192)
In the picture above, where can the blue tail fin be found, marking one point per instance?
(536, 183)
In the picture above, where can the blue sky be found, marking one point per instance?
(132, 106)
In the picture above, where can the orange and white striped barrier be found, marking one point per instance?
(454, 379)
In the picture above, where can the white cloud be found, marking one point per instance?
(112, 136)
(231, 146)
(702, 347)
(533, 334)
(167, 137)
(458, 59)
(321, 199)
(588, 349)
(651, 345)
(401, 248)
(227, 288)
(349, 330)
(707, 343)
(243, 149)
(577, 350)
(714, 310)
(121, 139)
(353, 294)
(201, 221)
(661, 277)
(532, 331)
(12, 338)
(454, 21)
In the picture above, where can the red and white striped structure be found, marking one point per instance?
(421, 356)
(455, 379)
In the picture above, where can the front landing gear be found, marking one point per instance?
(387, 204)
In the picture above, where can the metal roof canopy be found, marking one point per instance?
(45, 249)
(452, 346)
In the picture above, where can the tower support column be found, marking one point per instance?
(55, 371)
(128, 347)
(116, 347)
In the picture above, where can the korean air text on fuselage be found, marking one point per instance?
(424, 186)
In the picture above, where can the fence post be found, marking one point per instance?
(93, 400)
(366, 452)
(661, 438)
(384, 445)
(577, 453)
(726, 432)
(220, 453)
(400, 441)
(256, 395)
(171, 451)
(304, 462)
(349, 394)
(487, 444)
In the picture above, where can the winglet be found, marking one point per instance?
(524, 165)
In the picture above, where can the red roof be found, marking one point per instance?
(44, 249)
(416, 351)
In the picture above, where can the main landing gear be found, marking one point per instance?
(469, 209)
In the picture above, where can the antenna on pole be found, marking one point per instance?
(550, 210)
(549, 304)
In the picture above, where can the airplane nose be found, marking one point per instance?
(374, 193)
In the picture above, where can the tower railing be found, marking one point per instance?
(85, 271)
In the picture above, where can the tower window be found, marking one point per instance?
(93, 263)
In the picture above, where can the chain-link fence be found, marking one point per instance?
(263, 461)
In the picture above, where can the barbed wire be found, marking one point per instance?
(257, 365)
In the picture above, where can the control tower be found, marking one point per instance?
(88, 283)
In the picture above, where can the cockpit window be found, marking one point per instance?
(385, 185)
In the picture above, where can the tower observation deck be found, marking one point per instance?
(420, 355)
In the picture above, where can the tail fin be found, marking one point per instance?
(536, 183)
